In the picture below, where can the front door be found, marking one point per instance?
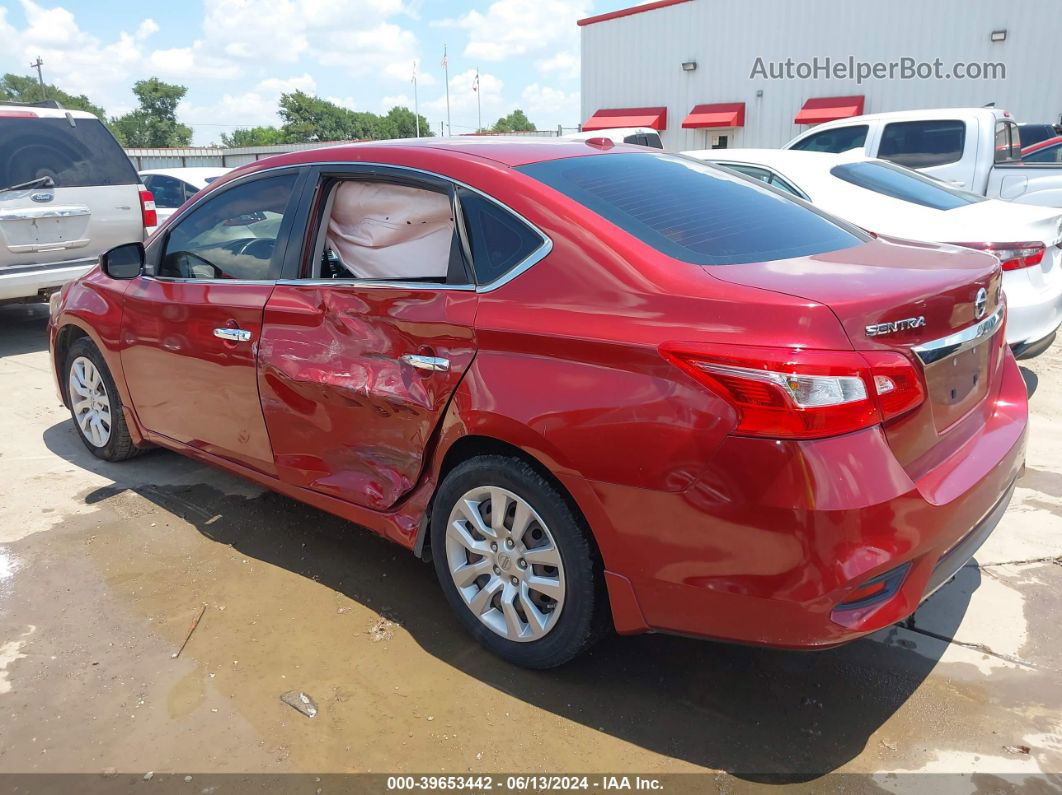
(192, 325)
(362, 351)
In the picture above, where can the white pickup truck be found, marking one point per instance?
(977, 149)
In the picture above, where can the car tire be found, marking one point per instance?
(555, 529)
(95, 405)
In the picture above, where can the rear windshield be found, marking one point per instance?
(75, 157)
(692, 211)
(904, 184)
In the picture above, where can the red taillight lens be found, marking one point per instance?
(147, 208)
(802, 394)
(1012, 256)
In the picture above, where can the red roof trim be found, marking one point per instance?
(820, 110)
(626, 12)
(721, 114)
(610, 118)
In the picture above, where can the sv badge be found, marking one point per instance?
(880, 329)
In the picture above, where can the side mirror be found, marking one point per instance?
(123, 262)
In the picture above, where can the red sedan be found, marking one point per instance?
(599, 386)
(1046, 151)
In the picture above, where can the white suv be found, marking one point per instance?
(67, 193)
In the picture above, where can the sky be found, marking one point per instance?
(236, 57)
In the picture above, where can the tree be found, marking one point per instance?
(17, 88)
(253, 136)
(514, 122)
(310, 119)
(154, 123)
(402, 123)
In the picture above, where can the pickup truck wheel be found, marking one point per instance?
(513, 558)
(95, 405)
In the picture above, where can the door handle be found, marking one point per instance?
(433, 364)
(233, 334)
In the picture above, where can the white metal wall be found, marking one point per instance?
(637, 60)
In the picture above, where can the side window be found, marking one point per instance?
(920, 144)
(167, 191)
(762, 174)
(1049, 154)
(188, 190)
(653, 140)
(232, 235)
(781, 184)
(499, 241)
(385, 231)
(837, 140)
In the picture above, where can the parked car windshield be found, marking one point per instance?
(904, 184)
(78, 156)
(692, 211)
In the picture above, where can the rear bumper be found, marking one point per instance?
(1034, 307)
(27, 282)
(770, 549)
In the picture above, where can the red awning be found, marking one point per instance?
(823, 109)
(722, 114)
(609, 118)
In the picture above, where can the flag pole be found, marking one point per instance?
(479, 104)
(416, 104)
(446, 71)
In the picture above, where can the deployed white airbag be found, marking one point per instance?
(383, 231)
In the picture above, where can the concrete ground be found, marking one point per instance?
(104, 567)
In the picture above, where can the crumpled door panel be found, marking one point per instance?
(347, 416)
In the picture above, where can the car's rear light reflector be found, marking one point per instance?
(875, 590)
(1012, 256)
(147, 208)
(802, 394)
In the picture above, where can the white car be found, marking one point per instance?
(642, 136)
(67, 193)
(893, 201)
(172, 187)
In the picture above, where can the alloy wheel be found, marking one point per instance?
(505, 563)
(90, 402)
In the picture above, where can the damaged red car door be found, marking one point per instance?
(356, 370)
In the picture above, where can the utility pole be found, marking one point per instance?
(40, 76)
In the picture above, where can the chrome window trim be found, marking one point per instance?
(183, 280)
(521, 267)
(946, 347)
(391, 285)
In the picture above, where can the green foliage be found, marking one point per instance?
(17, 88)
(253, 136)
(309, 119)
(516, 121)
(154, 123)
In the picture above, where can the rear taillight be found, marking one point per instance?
(1012, 256)
(803, 394)
(147, 208)
(18, 114)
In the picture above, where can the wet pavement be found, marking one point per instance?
(105, 567)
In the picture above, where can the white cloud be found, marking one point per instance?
(547, 106)
(564, 65)
(511, 28)
(246, 109)
(195, 61)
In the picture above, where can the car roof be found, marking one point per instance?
(189, 172)
(506, 150)
(913, 115)
(607, 131)
(779, 159)
(46, 113)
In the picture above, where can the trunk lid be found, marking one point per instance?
(917, 298)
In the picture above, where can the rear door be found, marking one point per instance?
(192, 325)
(363, 347)
(93, 206)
